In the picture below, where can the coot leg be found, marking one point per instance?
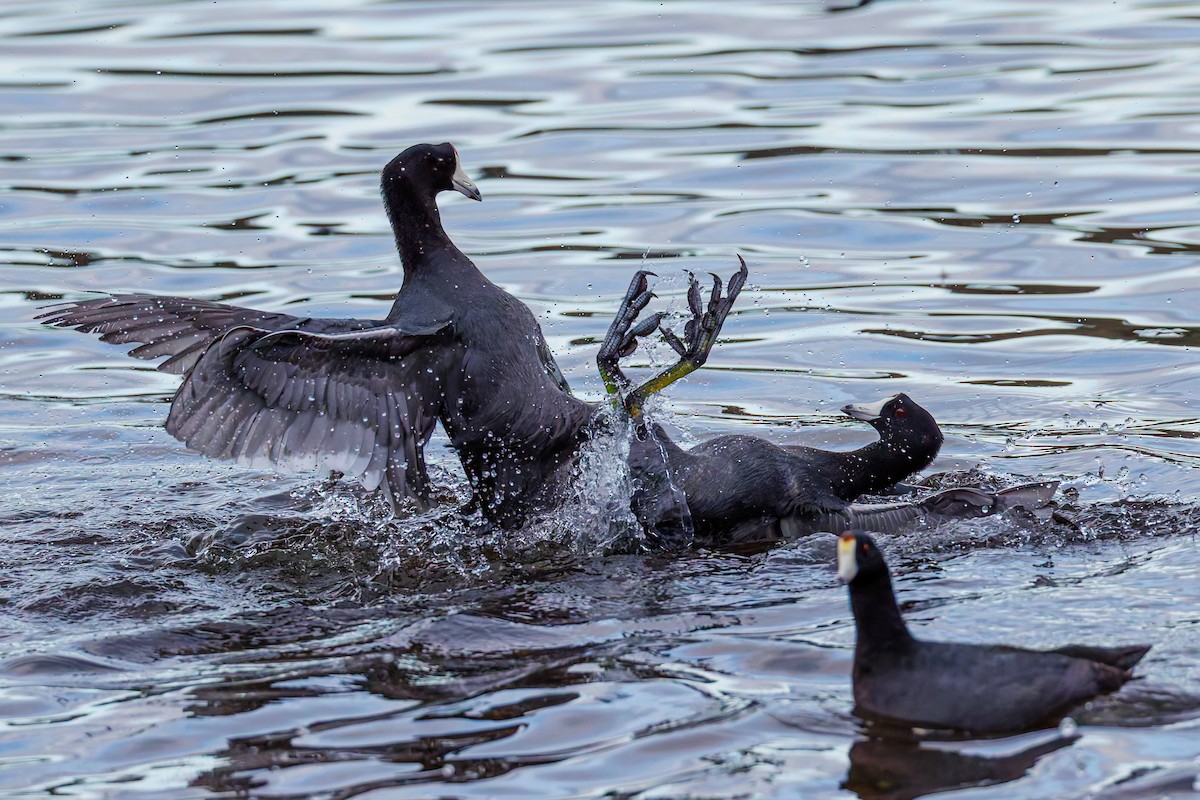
(699, 336)
(622, 336)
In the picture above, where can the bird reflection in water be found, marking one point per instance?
(897, 769)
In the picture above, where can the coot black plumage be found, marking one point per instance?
(362, 396)
(739, 487)
(979, 688)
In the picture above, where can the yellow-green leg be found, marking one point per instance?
(700, 334)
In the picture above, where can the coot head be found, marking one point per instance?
(858, 558)
(425, 170)
(900, 421)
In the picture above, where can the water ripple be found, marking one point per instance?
(988, 206)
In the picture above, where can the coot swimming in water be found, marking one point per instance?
(979, 688)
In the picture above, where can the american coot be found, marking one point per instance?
(740, 488)
(979, 688)
(361, 397)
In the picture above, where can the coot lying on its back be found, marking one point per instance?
(740, 489)
(738, 486)
(979, 688)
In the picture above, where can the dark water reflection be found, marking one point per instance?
(884, 770)
(990, 206)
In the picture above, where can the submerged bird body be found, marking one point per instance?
(741, 487)
(981, 688)
(1016, 698)
(724, 491)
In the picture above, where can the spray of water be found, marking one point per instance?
(593, 516)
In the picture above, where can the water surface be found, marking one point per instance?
(991, 206)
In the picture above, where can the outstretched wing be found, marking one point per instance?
(362, 403)
(168, 326)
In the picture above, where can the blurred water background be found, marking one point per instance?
(992, 206)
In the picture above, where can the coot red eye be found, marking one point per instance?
(900, 412)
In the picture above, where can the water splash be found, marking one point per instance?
(594, 515)
(339, 537)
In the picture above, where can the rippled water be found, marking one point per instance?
(991, 206)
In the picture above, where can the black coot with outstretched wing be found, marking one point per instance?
(357, 396)
(980, 688)
(362, 397)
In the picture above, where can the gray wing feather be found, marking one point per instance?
(355, 402)
(168, 326)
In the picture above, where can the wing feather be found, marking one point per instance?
(268, 388)
(354, 402)
(174, 326)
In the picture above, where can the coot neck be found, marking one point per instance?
(877, 619)
(416, 224)
(873, 468)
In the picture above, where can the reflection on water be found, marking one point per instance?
(988, 206)
(884, 770)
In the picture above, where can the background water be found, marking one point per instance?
(991, 206)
